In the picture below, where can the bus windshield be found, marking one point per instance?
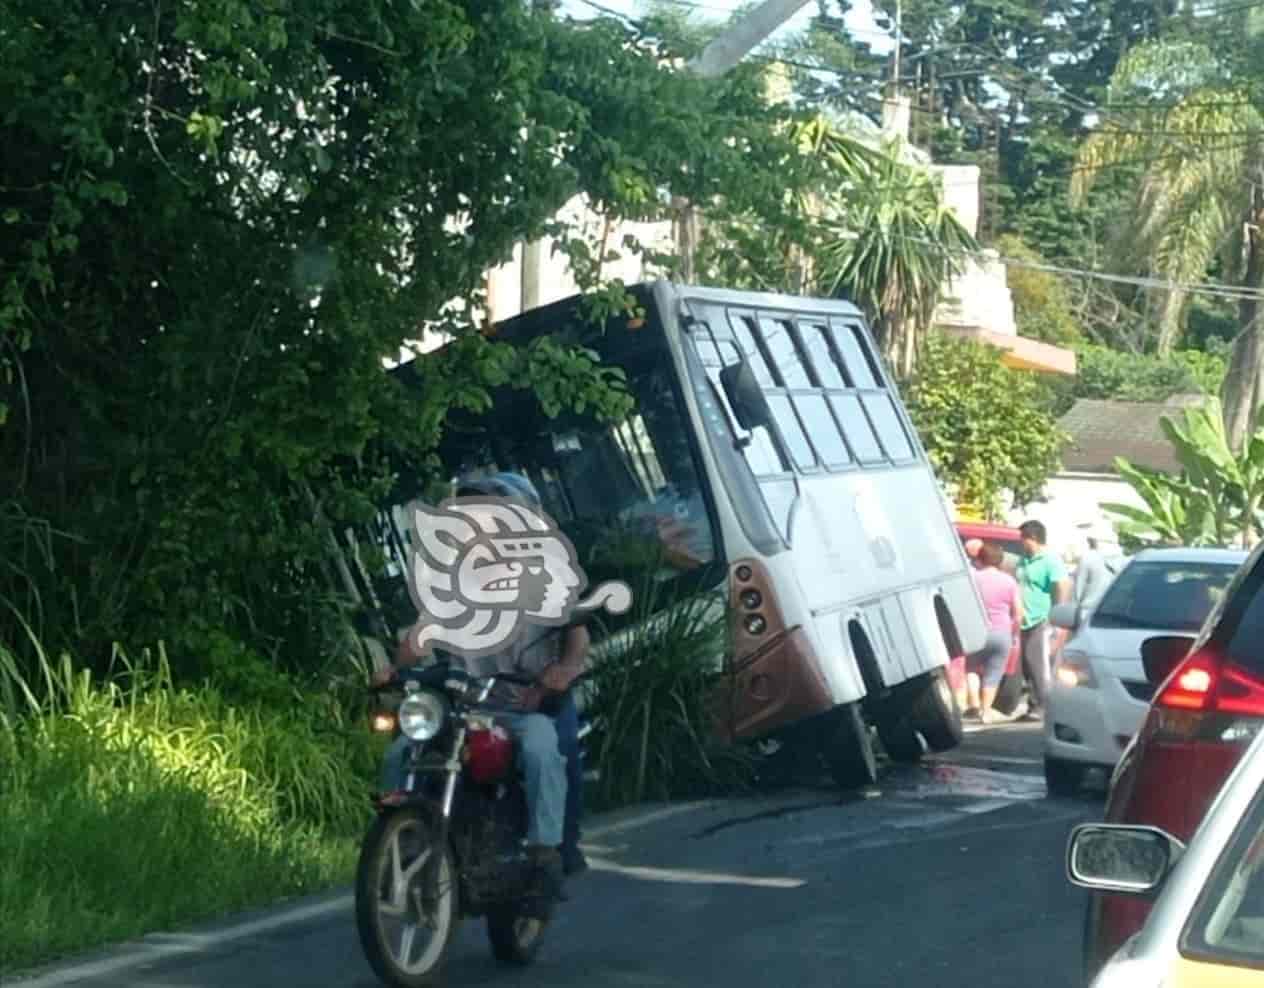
(628, 495)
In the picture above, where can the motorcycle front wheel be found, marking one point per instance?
(406, 899)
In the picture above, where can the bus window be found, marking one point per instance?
(828, 370)
(629, 496)
(779, 496)
(823, 429)
(856, 427)
(744, 330)
(890, 429)
(792, 431)
(856, 357)
(761, 453)
(782, 348)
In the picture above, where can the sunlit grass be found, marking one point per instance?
(129, 805)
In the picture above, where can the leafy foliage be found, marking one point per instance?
(1215, 500)
(852, 221)
(1042, 304)
(983, 425)
(892, 246)
(1104, 373)
(224, 218)
(652, 693)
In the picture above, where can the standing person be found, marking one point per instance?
(1044, 583)
(1001, 600)
(1091, 575)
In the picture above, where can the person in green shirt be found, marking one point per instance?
(1044, 582)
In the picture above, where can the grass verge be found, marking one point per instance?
(129, 806)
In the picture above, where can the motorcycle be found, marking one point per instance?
(449, 845)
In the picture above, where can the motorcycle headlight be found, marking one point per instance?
(421, 715)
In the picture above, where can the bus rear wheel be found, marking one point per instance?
(848, 749)
(933, 712)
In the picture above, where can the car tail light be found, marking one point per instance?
(1207, 698)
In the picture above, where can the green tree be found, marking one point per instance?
(983, 424)
(223, 218)
(891, 245)
(1201, 199)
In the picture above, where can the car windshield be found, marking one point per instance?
(1163, 595)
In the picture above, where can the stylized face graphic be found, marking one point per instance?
(481, 568)
(531, 573)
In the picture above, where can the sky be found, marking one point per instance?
(859, 19)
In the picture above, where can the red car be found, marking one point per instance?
(1004, 536)
(1207, 702)
(1012, 542)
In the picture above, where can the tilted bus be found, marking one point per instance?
(769, 436)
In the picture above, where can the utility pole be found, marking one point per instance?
(719, 57)
(740, 39)
(899, 20)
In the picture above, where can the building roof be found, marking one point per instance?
(1101, 430)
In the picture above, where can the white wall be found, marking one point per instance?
(556, 279)
(1073, 500)
(979, 298)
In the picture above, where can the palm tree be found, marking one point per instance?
(1200, 145)
(891, 245)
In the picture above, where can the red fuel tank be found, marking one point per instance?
(489, 754)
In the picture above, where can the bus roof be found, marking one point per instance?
(545, 318)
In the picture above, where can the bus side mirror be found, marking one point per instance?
(746, 396)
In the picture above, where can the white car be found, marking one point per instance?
(1099, 693)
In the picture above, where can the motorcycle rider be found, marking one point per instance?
(556, 657)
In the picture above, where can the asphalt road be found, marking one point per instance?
(947, 874)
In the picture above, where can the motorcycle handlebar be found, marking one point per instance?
(396, 681)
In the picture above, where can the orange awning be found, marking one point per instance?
(1022, 352)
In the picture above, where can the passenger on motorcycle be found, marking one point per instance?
(556, 657)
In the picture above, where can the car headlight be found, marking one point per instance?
(1074, 669)
(422, 714)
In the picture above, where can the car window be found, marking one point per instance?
(1162, 595)
(1244, 645)
(1227, 924)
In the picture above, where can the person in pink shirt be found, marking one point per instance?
(1003, 602)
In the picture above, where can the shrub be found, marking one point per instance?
(651, 701)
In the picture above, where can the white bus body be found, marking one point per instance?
(849, 587)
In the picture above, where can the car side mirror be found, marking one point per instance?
(1065, 616)
(1163, 653)
(1133, 860)
(746, 396)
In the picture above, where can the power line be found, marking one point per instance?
(1213, 289)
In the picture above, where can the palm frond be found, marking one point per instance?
(1161, 69)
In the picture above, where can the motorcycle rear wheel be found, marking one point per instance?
(397, 885)
(515, 938)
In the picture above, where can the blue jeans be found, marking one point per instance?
(566, 719)
(543, 769)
